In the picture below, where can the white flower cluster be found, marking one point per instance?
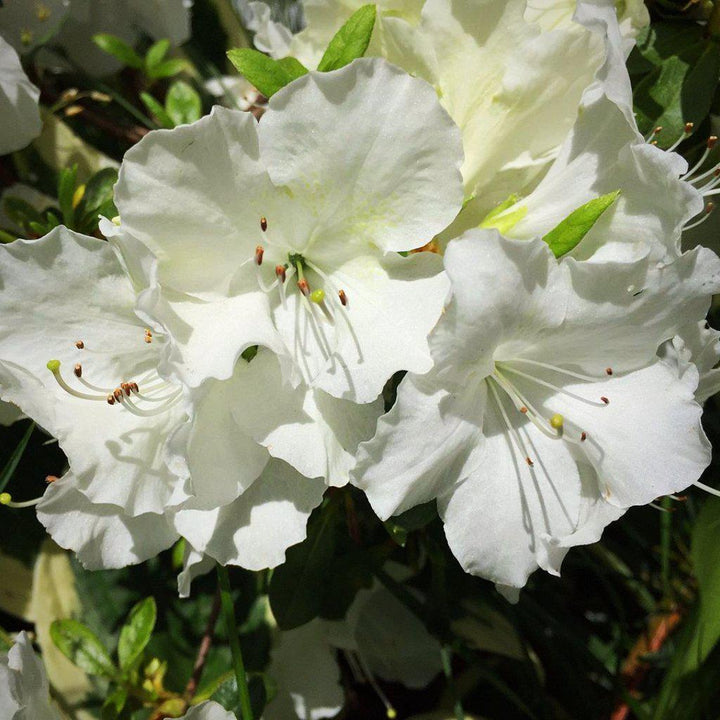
(218, 363)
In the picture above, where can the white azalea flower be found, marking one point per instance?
(548, 412)
(511, 74)
(269, 36)
(24, 689)
(19, 111)
(144, 454)
(286, 234)
(235, 92)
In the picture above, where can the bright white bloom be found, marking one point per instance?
(269, 36)
(140, 448)
(19, 111)
(510, 73)
(24, 689)
(286, 233)
(548, 412)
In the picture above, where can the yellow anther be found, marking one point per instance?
(43, 13)
(26, 36)
(78, 195)
(5, 498)
(317, 296)
(53, 366)
(557, 421)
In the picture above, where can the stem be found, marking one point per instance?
(228, 610)
(665, 545)
(446, 654)
(204, 649)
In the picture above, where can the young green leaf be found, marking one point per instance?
(82, 647)
(20, 211)
(266, 74)
(167, 68)
(98, 191)
(66, 193)
(114, 704)
(182, 103)
(135, 634)
(565, 236)
(157, 110)
(156, 54)
(119, 49)
(351, 40)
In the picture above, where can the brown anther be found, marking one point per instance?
(148, 339)
(126, 388)
(303, 287)
(716, 172)
(529, 462)
(51, 479)
(148, 332)
(134, 387)
(583, 437)
(709, 208)
(654, 142)
(280, 272)
(263, 223)
(79, 344)
(608, 371)
(78, 370)
(111, 399)
(523, 410)
(605, 400)
(259, 252)
(712, 140)
(657, 130)
(689, 127)
(118, 393)
(343, 297)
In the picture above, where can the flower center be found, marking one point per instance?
(146, 396)
(555, 426)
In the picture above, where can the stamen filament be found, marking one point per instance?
(557, 389)
(6, 499)
(555, 368)
(54, 367)
(513, 432)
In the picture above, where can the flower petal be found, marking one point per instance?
(370, 153)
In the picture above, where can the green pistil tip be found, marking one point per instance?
(317, 296)
(557, 421)
(53, 366)
(5, 498)
(391, 714)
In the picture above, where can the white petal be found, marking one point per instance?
(47, 305)
(353, 356)
(307, 675)
(208, 711)
(195, 564)
(392, 471)
(194, 195)
(501, 514)
(602, 154)
(19, 111)
(314, 432)
(102, 535)
(256, 529)
(370, 152)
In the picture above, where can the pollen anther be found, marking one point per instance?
(80, 345)
(259, 252)
(605, 400)
(263, 223)
(78, 370)
(280, 273)
(303, 287)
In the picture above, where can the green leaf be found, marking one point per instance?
(566, 236)
(155, 54)
(82, 647)
(351, 40)
(20, 211)
(119, 49)
(182, 103)
(297, 586)
(114, 703)
(167, 68)
(502, 218)
(11, 465)
(266, 74)
(67, 183)
(136, 632)
(98, 191)
(400, 526)
(157, 110)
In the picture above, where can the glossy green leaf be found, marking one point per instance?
(82, 647)
(266, 74)
(156, 53)
(157, 110)
(183, 104)
(11, 465)
(136, 632)
(167, 68)
(567, 235)
(119, 49)
(351, 40)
